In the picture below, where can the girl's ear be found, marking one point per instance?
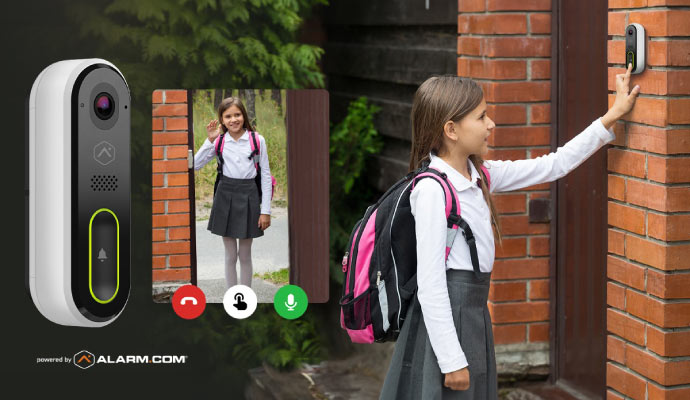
(449, 130)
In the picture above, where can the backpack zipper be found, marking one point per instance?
(346, 258)
(352, 266)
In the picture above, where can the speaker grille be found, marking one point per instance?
(104, 183)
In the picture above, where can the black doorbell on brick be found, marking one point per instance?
(635, 47)
(77, 192)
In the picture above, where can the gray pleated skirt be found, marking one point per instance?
(236, 209)
(414, 372)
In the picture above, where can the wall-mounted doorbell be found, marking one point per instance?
(635, 45)
(77, 192)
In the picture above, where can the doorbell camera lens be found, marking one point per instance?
(104, 105)
(630, 32)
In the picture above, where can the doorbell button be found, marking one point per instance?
(104, 252)
(635, 47)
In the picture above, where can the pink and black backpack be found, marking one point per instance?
(380, 264)
(254, 155)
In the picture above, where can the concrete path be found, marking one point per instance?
(269, 253)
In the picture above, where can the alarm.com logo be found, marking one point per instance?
(85, 359)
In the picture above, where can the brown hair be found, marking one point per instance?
(438, 100)
(229, 102)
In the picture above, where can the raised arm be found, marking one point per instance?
(513, 175)
(206, 152)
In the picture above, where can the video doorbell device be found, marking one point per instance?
(635, 47)
(77, 192)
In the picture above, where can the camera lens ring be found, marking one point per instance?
(104, 105)
(630, 32)
(100, 81)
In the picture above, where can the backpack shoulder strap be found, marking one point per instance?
(257, 142)
(256, 148)
(450, 196)
(454, 220)
(254, 144)
(218, 145)
(451, 200)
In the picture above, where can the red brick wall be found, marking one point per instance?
(170, 192)
(648, 318)
(506, 46)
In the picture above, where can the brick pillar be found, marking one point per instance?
(170, 192)
(648, 292)
(506, 46)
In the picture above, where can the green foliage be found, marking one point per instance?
(284, 344)
(192, 44)
(226, 348)
(270, 123)
(280, 277)
(352, 142)
(207, 43)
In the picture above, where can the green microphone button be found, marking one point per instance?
(104, 255)
(290, 302)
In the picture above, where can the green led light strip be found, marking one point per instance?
(117, 224)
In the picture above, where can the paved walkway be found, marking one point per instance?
(269, 253)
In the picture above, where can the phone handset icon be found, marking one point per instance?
(241, 304)
(189, 298)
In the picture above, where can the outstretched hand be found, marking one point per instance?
(625, 99)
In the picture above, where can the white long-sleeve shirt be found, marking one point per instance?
(238, 165)
(427, 203)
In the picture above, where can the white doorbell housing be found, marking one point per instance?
(78, 192)
(635, 47)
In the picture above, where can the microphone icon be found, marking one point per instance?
(291, 303)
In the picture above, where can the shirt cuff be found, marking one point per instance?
(606, 135)
(457, 363)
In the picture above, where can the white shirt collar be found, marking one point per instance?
(245, 136)
(460, 182)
